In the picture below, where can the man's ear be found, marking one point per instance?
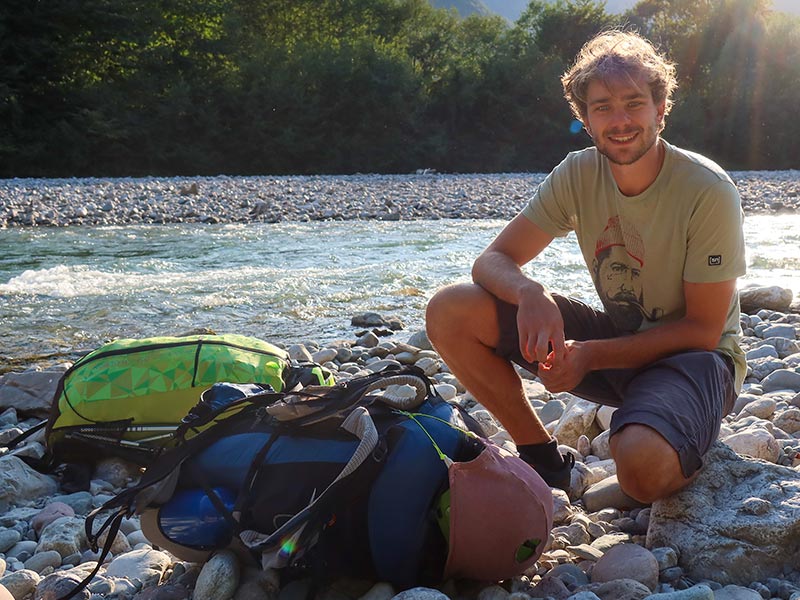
(660, 110)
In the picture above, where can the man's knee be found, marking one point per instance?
(648, 467)
(453, 308)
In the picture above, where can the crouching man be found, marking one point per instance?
(660, 229)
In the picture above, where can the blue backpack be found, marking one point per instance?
(328, 481)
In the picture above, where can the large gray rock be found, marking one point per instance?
(755, 442)
(8, 537)
(21, 583)
(607, 493)
(264, 584)
(56, 585)
(420, 593)
(788, 420)
(761, 407)
(218, 578)
(146, 565)
(627, 561)
(420, 340)
(577, 420)
(772, 297)
(697, 592)
(66, 535)
(784, 330)
(601, 446)
(30, 392)
(737, 523)
(783, 346)
(761, 352)
(41, 560)
(762, 367)
(620, 589)
(736, 592)
(20, 484)
(782, 379)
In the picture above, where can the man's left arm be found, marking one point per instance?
(701, 327)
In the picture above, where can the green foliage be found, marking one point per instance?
(166, 87)
(465, 8)
(738, 72)
(562, 27)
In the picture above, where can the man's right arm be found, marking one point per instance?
(498, 270)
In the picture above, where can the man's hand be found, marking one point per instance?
(564, 374)
(540, 327)
(498, 270)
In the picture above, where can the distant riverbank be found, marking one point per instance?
(265, 199)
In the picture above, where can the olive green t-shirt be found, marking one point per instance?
(687, 226)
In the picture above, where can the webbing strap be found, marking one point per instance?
(245, 496)
(113, 523)
(25, 435)
(359, 423)
(220, 507)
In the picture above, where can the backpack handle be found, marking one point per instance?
(392, 395)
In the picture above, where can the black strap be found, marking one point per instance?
(200, 477)
(92, 536)
(245, 497)
(202, 413)
(26, 434)
(167, 462)
(114, 521)
(338, 494)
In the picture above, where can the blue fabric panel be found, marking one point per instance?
(190, 519)
(227, 461)
(222, 394)
(404, 492)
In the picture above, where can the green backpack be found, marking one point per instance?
(127, 397)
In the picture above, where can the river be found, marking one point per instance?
(64, 291)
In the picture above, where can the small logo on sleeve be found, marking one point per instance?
(714, 260)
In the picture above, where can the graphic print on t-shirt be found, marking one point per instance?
(617, 274)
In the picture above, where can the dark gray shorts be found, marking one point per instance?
(684, 396)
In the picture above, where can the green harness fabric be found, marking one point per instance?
(152, 383)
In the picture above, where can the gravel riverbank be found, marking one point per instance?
(732, 534)
(223, 199)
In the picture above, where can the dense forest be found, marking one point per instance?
(179, 87)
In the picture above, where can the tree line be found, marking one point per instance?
(205, 87)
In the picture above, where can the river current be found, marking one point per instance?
(64, 291)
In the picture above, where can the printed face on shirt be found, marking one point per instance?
(618, 281)
(622, 119)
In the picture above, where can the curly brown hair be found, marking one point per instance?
(618, 55)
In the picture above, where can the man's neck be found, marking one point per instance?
(635, 178)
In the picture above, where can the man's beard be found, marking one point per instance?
(628, 155)
(626, 315)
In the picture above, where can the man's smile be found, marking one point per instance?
(623, 138)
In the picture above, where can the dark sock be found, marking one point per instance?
(544, 455)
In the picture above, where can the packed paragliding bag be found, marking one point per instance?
(127, 397)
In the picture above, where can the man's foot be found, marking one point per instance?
(552, 466)
(558, 478)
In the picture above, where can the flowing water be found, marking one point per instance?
(65, 291)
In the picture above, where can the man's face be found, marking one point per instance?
(619, 281)
(623, 120)
(620, 287)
